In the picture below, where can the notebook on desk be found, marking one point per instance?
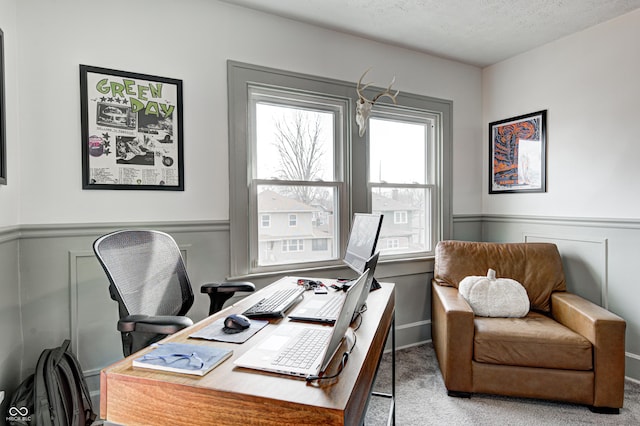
(303, 349)
(325, 308)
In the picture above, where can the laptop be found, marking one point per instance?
(325, 308)
(277, 353)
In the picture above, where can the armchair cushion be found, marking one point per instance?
(533, 341)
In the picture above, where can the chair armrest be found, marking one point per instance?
(221, 292)
(227, 287)
(452, 332)
(606, 332)
(161, 324)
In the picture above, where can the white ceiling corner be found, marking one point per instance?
(476, 32)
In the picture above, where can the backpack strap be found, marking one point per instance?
(81, 388)
(41, 409)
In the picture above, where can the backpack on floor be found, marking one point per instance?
(55, 395)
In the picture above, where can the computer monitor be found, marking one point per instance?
(362, 241)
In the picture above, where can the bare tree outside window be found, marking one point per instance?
(299, 143)
(295, 166)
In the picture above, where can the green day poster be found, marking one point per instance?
(131, 130)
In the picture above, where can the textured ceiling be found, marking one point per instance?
(477, 32)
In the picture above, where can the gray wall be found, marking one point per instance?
(11, 348)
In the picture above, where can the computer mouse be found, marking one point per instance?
(236, 323)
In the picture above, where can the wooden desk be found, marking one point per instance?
(230, 395)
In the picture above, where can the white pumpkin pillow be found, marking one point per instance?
(495, 297)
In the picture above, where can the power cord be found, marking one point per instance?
(343, 361)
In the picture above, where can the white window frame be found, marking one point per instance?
(354, 193)
(293, 220)
(268, 220)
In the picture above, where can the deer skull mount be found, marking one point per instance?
(364, 105)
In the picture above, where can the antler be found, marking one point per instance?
(360, 89)
(387, 93)
(363, 106)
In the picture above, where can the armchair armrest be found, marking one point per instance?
(221, 292)
(161, 324)
(452, 332)
(606, 332)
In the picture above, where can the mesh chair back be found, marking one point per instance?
(146, 270)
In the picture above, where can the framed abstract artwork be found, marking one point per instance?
(131, 130)
(517, 154)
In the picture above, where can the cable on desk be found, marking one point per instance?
(343, 361)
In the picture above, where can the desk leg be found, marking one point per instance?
(392, 407)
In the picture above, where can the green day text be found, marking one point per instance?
(140, 96)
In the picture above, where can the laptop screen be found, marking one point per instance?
(362, 240)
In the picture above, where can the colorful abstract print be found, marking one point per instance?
(506, 151)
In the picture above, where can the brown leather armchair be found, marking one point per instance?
(566, 348)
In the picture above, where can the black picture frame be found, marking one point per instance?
(132, 135)
(3, 123)
(518, 154)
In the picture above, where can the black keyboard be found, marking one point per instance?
(275, 304)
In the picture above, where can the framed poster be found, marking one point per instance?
(517, 154)
(3, 131)
(131, 130)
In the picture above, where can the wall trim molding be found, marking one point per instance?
(91, 229)
(462, 218)
(10, 233)
(88, 229)
(559, 220)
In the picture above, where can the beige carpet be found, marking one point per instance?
(421, 399)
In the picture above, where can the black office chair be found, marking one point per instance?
(149, 281)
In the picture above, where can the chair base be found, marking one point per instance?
(458, 394)
(604, 410)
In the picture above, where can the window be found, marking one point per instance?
(295, 156)
(292, 245)
(392, 243)
(400, 217)
(402, 177)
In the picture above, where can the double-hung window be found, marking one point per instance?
(299, 170)
(295, 176)
(403, 179)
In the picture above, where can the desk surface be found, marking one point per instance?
(230, 395)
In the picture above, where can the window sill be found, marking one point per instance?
(386, 269)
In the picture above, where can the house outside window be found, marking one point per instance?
(335, 172)
(320, 244)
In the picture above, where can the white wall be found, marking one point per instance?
(192, 40)
(589, 84)
(9, 195)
